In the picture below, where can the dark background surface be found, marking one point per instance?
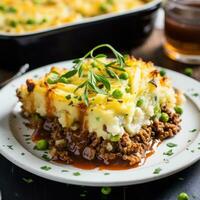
(13, 187)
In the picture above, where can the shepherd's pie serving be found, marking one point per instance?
(102, 109)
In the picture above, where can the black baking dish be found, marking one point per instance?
(122, 30)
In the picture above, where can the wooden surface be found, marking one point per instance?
(13, 187)
(153, 51)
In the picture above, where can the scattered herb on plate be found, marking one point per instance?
(157, 171)
(76, 174)
(64, 170)
(171, 145)
(195, 94)
(46, 168)
(10, 147)
(169, 152)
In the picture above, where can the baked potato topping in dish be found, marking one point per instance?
(21, 16)
(118, 106)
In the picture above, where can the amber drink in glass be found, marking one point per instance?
(182, 30)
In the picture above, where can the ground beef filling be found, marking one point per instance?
(67, 143)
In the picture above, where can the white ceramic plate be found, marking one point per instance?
(16, 146)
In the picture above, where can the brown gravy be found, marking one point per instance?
(80, 162)
(118, 164)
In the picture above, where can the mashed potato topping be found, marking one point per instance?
(20, 16)
(101, 95)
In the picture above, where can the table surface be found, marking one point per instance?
(13, 186)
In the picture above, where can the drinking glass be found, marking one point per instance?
(182, 30)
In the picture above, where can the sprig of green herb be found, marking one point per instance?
(91, 84)
(78, 67)
(93, 80)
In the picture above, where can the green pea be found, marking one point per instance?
(178, 110)
(123, 76)
(188, 71)
(139, 102)
(162, 72)
(117, 94)
(103, 7)
(164, 117)
(183, 196)
(30, 21)
(42, 144)
(2, 8)
(13, 23)
(106, 190)
(37, 1)
(128, 89)
(44, 20)
(115, 138)
(11, 10)
(110, 1)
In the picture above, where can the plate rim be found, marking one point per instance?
(106, 181)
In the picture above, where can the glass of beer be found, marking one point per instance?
(182, 30)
